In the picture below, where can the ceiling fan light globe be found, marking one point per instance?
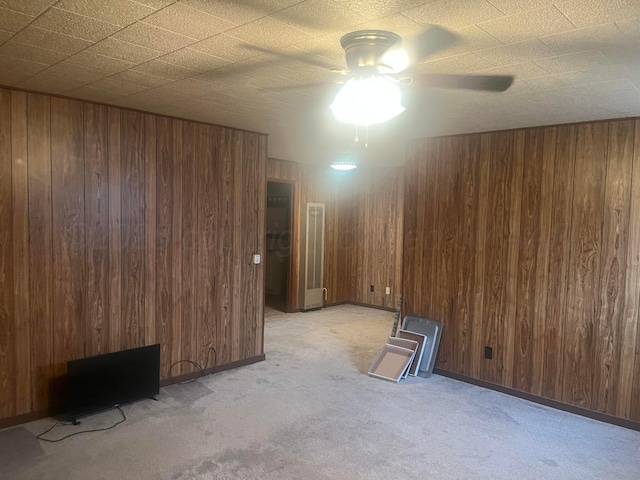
(367, 101)
(396, 60)
(344, 165)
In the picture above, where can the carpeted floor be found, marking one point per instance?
(311, 412)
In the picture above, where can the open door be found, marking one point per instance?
(278, 245)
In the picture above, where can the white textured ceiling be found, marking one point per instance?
(574, 60)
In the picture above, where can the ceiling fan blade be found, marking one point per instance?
(403, 54)
(490, 83)
(299, 57)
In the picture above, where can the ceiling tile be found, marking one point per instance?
(4, 36)
(78, 26)
(630, 27)
(147, 98)
(94, 94)
(118, 86)
(397, 23)
(73, 72)
(318, 17)
(46, 85)
(191, 87)
(268, 33)
(379, 8)
(157, 4)
(562, 80)
(224, 46)
(235, 12)
(583, 39)
(594, 12)
(471, 39)
(468, 62)
(528, 25)
(326, 49)
(21, 65)
(112, 47)
(623, 54)
(116, 12)
(188, 21)
(611, 72)
(516, 52)
(140, 78)
(522, 71)
(28, 52)
(619, 87)
(153, 37)
(573, 62)
(11, 78)
(454, 14)
(162, 69)
(106, 65)
(194, 60)
(59, 42)
(30, 7)
(511, 7)
(61, 78)
(13, 21)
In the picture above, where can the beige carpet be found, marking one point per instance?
(311, 412)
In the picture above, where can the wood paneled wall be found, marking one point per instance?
(370, 220)
(363, 235)
(528, 241)
(120, 229)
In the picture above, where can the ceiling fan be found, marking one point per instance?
(379, 63)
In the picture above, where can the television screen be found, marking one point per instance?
(101, 382)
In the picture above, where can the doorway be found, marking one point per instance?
(278, 244)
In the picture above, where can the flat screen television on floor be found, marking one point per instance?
(104, 381)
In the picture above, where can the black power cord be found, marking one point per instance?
(39, 437)
(191, 362)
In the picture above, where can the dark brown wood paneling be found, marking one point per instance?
(530, 243)
(497, 262)
(40, 249)
(465, 244)
(480, 254)
(7, 325)
(116, 337)
(629, 387)
(554, 263)
(150, 227)
(207, 239)
(133, 228)
(96, 200)
(68, 207)
(176, 245)
(584, 264)
(228, 209)
(615, 233)
(20, 207)
(119, 229)
(559, 252)
(189, 238)
(164, 257)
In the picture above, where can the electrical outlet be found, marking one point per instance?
(387, 291)
(371, 288)
(488, 352)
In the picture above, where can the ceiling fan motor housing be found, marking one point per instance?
(364, 48)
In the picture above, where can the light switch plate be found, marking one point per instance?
(256, 258)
